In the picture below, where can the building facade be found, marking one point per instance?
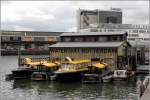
(112, 48)
(138, 37)
(136, 33)
(111, 21)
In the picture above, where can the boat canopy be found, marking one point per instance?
(79, 62)
(100, 65)
(28, 61)
(46, 64)
(34, 63)
(38, 63)
(105, 64)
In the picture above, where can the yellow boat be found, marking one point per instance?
(102, 69)
(29, 63)
(42, 64)
(72, 70)
(39, 66)
(24, 72)
(45, 70)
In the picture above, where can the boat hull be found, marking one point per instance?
(91, 78)
(71, 76)
(22, 73)
(124, 75)
(107, 79)
(40, 76)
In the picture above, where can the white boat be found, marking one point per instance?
(107, 78)
(121, 74)
(39, 76)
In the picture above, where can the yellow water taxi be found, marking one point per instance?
(98, 72)
(31, 67)
(72, 70)
(24, 72)
(44, 71)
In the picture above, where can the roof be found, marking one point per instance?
(92, 33)
(86, 44)
(30, 33)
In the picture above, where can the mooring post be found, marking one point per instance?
(139, 89)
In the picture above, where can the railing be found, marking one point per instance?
(35, 59)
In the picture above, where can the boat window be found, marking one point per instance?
(67, 65)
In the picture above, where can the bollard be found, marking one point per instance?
(139, 89)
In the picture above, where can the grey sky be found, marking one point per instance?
(62, 16)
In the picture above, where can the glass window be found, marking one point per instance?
(78, 39)
(131, 38)
(135, 31)
(146, 39)
(102, 39)
(94, 30)
(15, 38)
(114, 38)
(67, 39)
(142, 31)
(5, 38)
(90, 39)
(133, 35)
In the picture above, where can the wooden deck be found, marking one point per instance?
(146, 94)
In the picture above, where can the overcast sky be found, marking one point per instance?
(62, 15)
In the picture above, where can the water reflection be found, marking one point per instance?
(78, 91)
(31, 90)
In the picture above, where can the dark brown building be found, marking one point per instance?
(113, 48)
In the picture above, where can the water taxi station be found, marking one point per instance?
(82, 54)
(96, 57)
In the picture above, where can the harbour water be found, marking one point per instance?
(30, 90)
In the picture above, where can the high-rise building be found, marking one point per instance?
(89, 17)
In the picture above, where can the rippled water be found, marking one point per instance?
(30, 90)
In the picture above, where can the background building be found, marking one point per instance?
(88, 17)
(111, 21)
(27, 41)
(136, 33)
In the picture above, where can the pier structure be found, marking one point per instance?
(113, 48)
(145, 94)
(28, 41)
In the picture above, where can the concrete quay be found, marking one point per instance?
(146, 94)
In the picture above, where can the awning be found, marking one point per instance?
(87, 44)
